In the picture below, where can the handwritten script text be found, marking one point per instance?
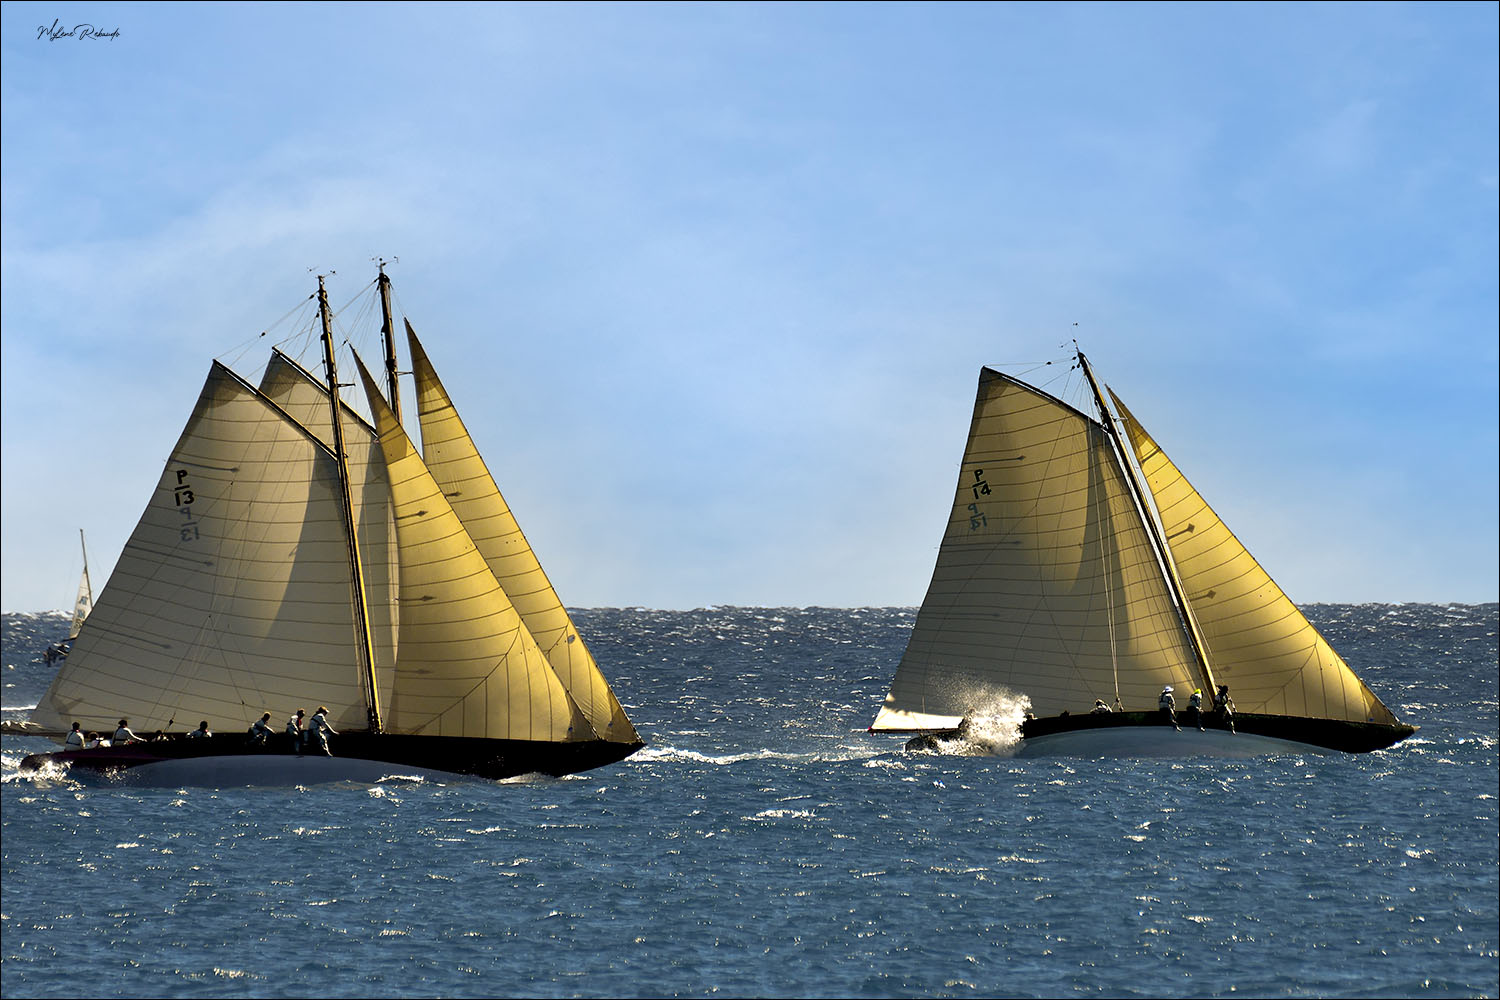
(80, 31)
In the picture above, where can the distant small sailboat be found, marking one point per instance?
(82, 604)
(1077, 579)
(295, 555)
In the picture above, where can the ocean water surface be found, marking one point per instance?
(764, 844)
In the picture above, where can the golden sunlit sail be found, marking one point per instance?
(467, 666)
(294, 554)
(1046, 584)
(1260, 644)
(1063, 588)
(455, 463)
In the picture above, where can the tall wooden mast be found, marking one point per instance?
(388, 338)
(1164, 555)
(363, 643)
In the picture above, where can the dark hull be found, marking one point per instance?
(1331, 734)
(481, 758)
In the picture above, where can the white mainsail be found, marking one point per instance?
(1046, 583)
(1260, 644)
(231, 597)
(456, 465)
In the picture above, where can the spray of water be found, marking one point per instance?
(991, 726)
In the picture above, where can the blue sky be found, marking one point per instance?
(711, 285)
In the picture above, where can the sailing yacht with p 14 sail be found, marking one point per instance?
(295, 555)
(1087, 581)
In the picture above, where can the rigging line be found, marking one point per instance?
(1061, 371)
(1023, 369)
(299, 307)
(362, 320)
(398, 308)
(304, 334)
(234, 355)
(351, 339)
(363, 291)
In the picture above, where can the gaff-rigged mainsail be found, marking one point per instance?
(1046, 582)
(231, 595)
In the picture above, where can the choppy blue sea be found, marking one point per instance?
(765, 845)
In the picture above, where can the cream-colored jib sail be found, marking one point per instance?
(232, 596)
(1259, 643)
(454, 461)
(466, 665)
(305, 399)
(1046, 583)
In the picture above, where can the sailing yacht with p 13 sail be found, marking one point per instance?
(1089, 581)
(296, 555)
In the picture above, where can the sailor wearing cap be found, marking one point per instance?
(1167, 704)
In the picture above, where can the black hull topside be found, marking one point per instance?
(1331, 734)
(482, 758)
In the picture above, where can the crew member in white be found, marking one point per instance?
(319, 730)
(294, 730)
(1167, 704)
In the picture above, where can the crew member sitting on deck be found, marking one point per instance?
(93, 742)
(123, 735)
(260, 732)
(1100, 708)
(1167, 704)
(201, 732)
(75, 738)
